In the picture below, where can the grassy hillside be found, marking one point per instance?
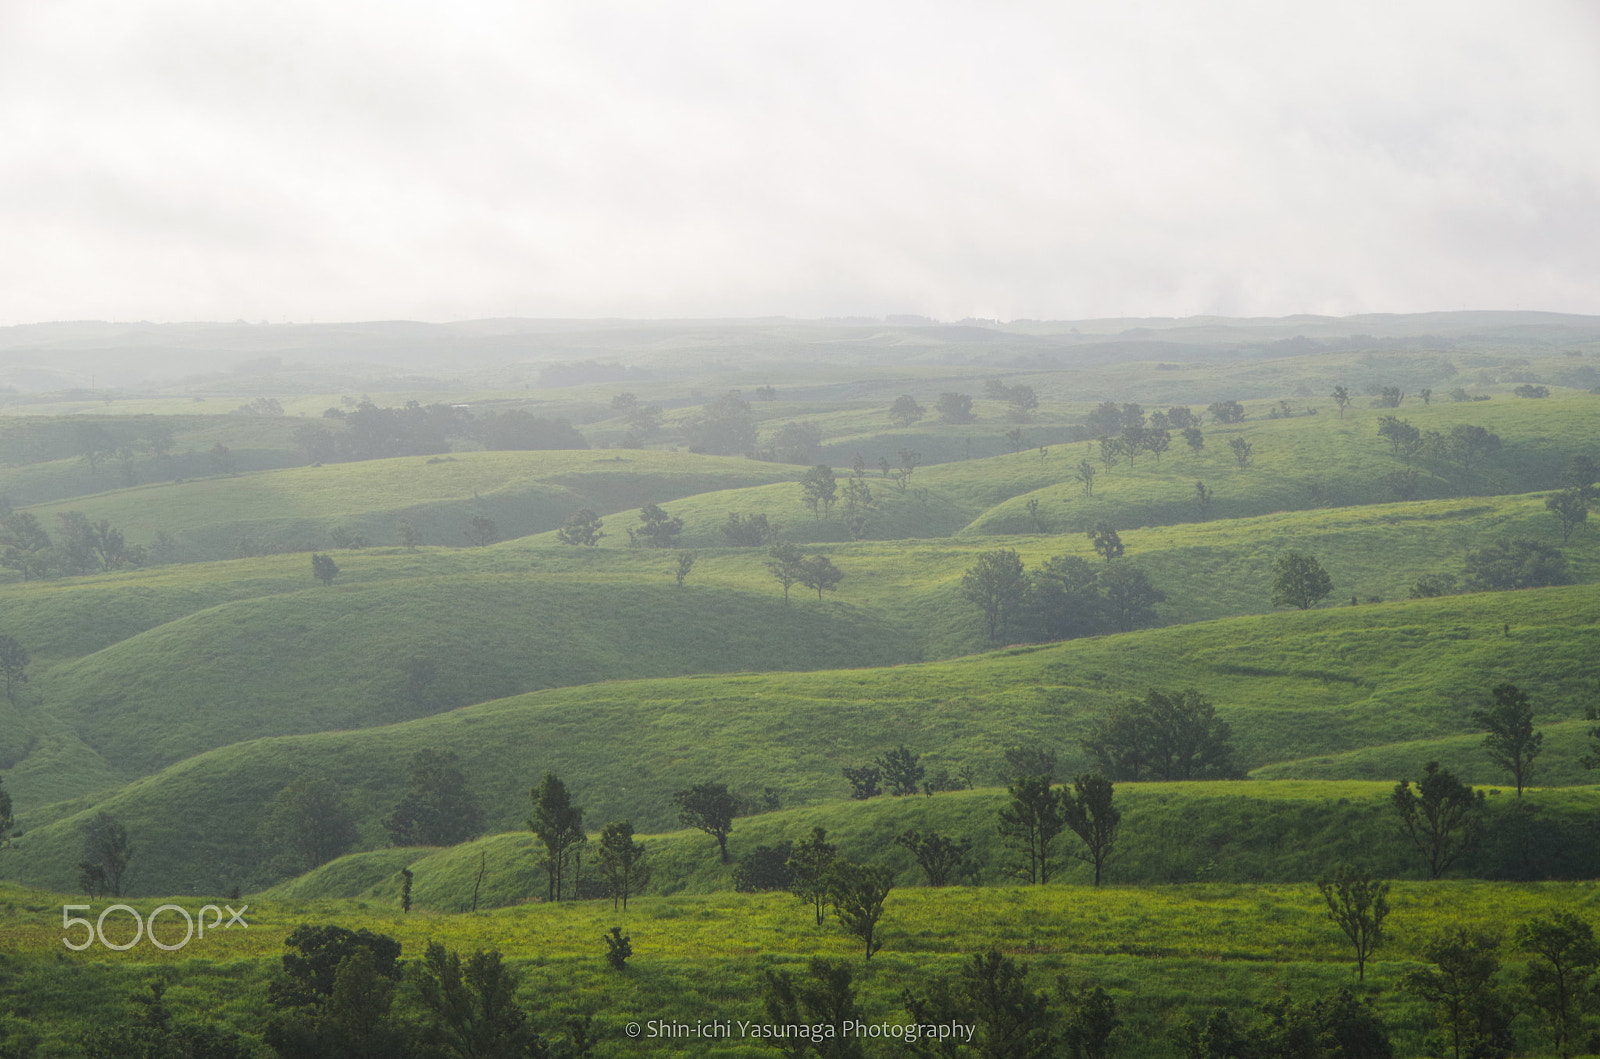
(298, 508)
(1241, 832)
(137, 669)
(1294, 686)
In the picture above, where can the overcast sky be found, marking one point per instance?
(343, 159)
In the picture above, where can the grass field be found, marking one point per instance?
(1164, 953)
(1394, 680)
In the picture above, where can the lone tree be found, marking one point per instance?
(106, 854)
(558, 824)
(954, 407)
(819, 489)
(1358, 905)
(437, 809)
(582, 528)
(622, 863)
(818, 572)
(1088, 811)
(1243, 452)
(786, 563)
(657, 529)
(1442, 817)
(1571, 509)
(858, 893)
(681, 568)
(8, 822)
(308, 824)
(1107, 543)
(323, 568)
(481, 531)
(1032, 821)
(1565, 957)
(710, 808)
(906, 410)
(1298, 580)
(1341, 397)
(1512, 743)
(14, 663)
(900, 770)
(939, 857)
(997, 585)
(810, 870)
(1162, 737)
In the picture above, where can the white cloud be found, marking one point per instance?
(172, 159)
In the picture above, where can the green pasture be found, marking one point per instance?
(299, 508)
(1294, 686)
(1165, 954)
(138, 669)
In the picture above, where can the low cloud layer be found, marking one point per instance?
(172, 159)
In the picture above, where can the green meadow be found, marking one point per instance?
(182, 696)
(1162, 953)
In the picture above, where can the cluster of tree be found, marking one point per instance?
(724, 427)
(1570, 506)
(749, 531)
(813, 871)
(656, 529)
(1163, 736)
(107, 854)
(582, 527)
(642, 419)
(374, 433)
(1065, 597)
(1468, 446)
(1012, 1020)
(793, 443)
(93, 442)
(558, 825)
(261, 406)
(340, 995)
(307, 824)
(1503, 566)
(790, 566)
(14, 666)
(1038, 813)
(8, 819)
(955, 408)
(517, 430)
(80, 547)
(1022, 400)
(902, 772)
(438, 808)
(154, 1030)
(1475, 1009)
(1124, 432)
(1339, 1025)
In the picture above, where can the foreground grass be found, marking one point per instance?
(1164, 953)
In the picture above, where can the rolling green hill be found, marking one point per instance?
(1294, 686)
(298, 508)
(1241, 832)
